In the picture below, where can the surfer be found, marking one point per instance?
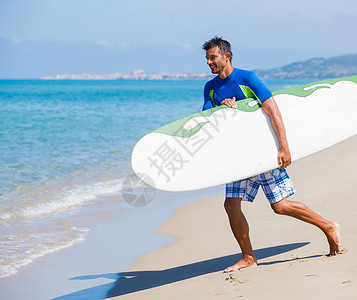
(230, 85)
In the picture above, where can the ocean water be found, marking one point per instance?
(65, 151)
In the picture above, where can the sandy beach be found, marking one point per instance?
(291, 254)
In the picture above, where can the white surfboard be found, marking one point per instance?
(222, 144)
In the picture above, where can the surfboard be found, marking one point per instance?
(222, 144)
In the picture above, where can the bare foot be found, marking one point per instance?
(243, 263)
(334, 239)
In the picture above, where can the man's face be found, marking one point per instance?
(215, 60)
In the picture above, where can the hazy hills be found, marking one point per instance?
(315, 68)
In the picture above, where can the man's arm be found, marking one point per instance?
(207, 104)
(271, 109)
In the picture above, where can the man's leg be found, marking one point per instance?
(302, 212)
(240, 230)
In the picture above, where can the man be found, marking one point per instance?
(233, 84)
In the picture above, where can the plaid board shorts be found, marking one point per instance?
(276, 185)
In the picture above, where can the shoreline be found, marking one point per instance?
(291, 254)
(88, 269)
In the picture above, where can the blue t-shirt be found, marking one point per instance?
(240, 84)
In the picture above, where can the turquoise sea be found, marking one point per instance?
(65, 151)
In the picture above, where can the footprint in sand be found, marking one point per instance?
(234, 280)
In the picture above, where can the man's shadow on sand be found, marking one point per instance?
(130, 282)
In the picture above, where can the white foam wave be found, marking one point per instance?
(56, 199)
(74, 197)
(21, 250)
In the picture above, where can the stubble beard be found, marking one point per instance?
(217, 68)
(214, 69)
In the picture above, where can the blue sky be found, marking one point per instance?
(49, 37)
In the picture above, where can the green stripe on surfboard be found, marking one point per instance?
(248, 105)
(304, 91)
(176, 128)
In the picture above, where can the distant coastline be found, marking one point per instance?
(315, 68)
(135, 75)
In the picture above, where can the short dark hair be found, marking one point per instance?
(222, 45)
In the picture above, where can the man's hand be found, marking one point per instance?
(230, 102)
(284, 158)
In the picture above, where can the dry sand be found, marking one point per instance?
(291, 254)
